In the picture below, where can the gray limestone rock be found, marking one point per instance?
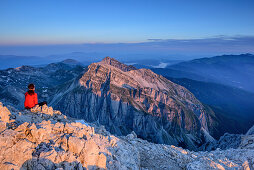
(58, 142)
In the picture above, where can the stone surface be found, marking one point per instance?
(250, 131)
(226, 141)
(4, 113)
(46, 141)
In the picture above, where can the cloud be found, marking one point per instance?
(222, 44)
(215, 39)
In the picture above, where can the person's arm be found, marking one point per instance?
(35, 99)
(25, 103)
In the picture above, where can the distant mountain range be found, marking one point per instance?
(12, 61)
(232, 70)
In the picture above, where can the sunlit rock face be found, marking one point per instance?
(126, 99)
(44, 138)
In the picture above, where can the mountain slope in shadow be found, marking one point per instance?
(234, 107)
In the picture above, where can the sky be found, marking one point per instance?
(162, 26)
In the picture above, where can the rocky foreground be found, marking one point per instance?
(46, 139)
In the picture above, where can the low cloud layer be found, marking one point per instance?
(203, 46)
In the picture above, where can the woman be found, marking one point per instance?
(31, 98)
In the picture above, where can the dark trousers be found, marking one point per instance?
(42, 103)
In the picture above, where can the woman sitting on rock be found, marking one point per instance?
(31, 98)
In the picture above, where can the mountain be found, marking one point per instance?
(13, 61)
(124, 99)
(10, 61)
(232, 70)
(71, 62)
(44, 138)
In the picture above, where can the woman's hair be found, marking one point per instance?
(30, 86)
(31, 89)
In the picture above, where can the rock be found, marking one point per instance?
(14, 153)
(57, 112)
(225, 142)
(4, 113)
(247, 142)
(132, 135)
(47, 110)
(75, 144)
(59, 143)
(250, 131)
(36, 108)
(2, 126)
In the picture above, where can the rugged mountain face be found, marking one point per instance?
(14, 81)
(126, 99)
(44, 138)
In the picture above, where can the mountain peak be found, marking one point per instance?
(109, 59)
(24, 68)
(69, 61)
(113, 62)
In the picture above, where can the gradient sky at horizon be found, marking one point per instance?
(160, 27)
(68, 22)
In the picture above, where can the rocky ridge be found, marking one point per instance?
(44, 138)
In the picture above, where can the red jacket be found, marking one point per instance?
(30, 100)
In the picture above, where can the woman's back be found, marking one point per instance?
(30, 100)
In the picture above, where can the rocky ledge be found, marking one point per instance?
(46, 139)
